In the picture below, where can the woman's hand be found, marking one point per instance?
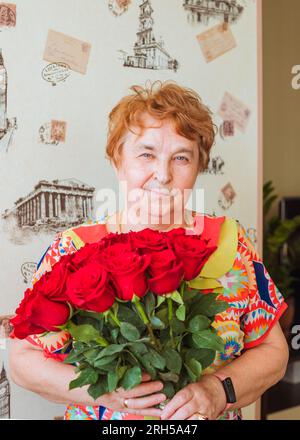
(206, 397)
(140, 400)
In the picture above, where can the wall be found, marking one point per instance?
(52, 144)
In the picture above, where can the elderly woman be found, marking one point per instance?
(159, 140)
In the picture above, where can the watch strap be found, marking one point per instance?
(223, 378)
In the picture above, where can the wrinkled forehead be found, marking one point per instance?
(148, 127)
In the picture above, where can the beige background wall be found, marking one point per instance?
(83, 102)
(281, 51)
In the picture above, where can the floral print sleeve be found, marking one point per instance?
(265, 302)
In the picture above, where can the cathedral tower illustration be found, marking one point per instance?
(4, 395)
(148, 52)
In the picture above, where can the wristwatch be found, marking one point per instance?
(228, 388)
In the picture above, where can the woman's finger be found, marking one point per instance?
(146, 377)
(143, 389)
(180, 399)
(184, 412)
(145, 402)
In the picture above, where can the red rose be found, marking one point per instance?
(127, 269)
(166, 271)
(113, 238)
(90, 252)
(89, 288)
(192, 251)
(147, 240)
(52, 284)
(36, 314)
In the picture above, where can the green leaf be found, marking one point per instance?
(208, 339)
(160, 300)
(86, 377)
(114, 334)
(112, 381)
(146, 363)
(99, 388)
(94, 315)
(202, 355)
(74, 356)
(157, 323)
(137, 347)
(149, 303)
(168, 390)
(132, 378)
(129, 331)
(125, 314)
(84, 333)
(156, 359)
(121, 370)
(177, 326)
(194, 369)
(169, 377)
(198, 323)
(104, 361)
(173, 360)
(77, 351)
(101, 341)
(176, 297)
(111, 350)
(190, 294)
(162, 314)
(180, 312)
(91, 354)
(208, 305)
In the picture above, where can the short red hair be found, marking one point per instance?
(162, 101)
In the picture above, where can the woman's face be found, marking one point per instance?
(160, 164)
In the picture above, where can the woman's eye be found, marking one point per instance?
(182, 158)
(147, 155)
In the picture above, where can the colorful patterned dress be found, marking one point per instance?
(234, 270)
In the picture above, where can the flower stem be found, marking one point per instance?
(182, 289)
(146, 321)
(170, 317)
(114, 318)
(142, 313)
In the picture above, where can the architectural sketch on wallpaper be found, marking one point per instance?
(7, 15)
(227, 196)
(7, 126)
(118, 7)
(215, 166)
(149, 53)
(4, 395)
(203, 11)
(27, 270)
(51, 206)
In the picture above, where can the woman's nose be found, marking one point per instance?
(162, 172)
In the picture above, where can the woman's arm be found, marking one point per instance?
(49, 378)
(256, 370)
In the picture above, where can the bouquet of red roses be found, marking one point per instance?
(128, 306)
